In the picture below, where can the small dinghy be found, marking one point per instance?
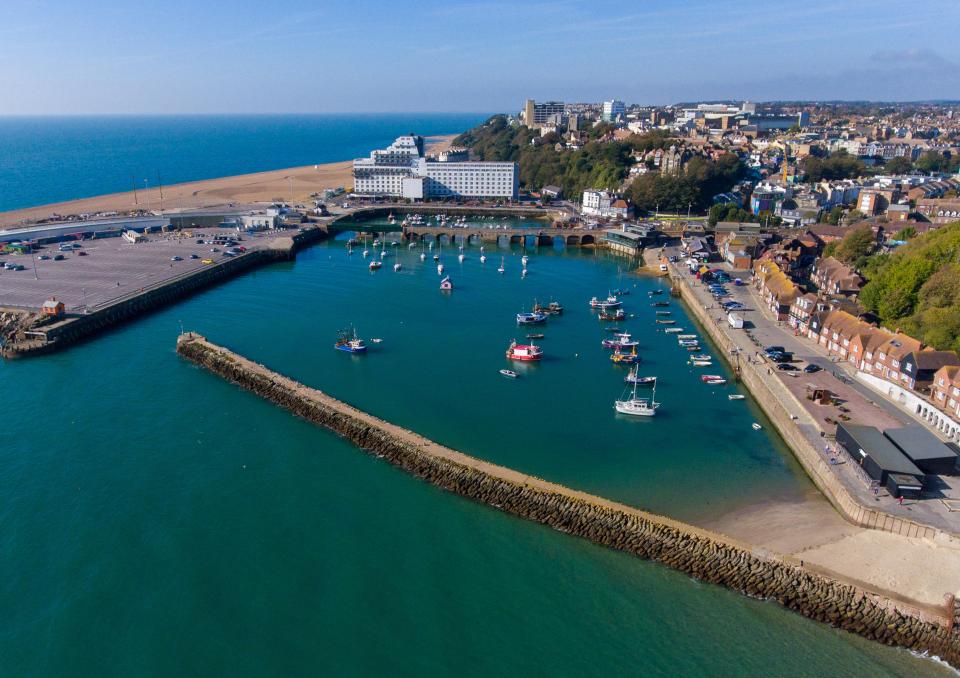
(509, 373)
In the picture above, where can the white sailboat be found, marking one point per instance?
(483, 257)
(399, 265)
(638, 407)
(501, 269)
(366, 252)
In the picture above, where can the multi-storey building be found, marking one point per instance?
(613, 110)
(604, 204)
(535, 115)
(403, 171)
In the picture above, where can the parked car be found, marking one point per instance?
(811, 368)
(81, 253)
(773, 349)
(208, 261)
(194, 256)
(787, 367)
(58, 257)
(43, 257)
(176, 258)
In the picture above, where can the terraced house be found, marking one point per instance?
(842, 334)
(776, 289)
(945, 390)
(833, 277)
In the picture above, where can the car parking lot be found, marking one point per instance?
(105, 269)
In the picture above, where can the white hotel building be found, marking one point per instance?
(403, 171)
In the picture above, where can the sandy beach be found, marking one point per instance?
(291, 185)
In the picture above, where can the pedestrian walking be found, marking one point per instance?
(901, 500)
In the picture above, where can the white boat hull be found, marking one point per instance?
(636, 408)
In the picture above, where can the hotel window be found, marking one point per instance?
(895, 363)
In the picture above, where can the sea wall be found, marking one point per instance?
(701, 554)
(775, 402)
(67, 332)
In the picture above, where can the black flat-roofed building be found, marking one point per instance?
(878, 456)
(929, 453)
(899, 485)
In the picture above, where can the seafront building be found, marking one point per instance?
(402, 170)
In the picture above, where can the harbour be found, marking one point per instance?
(708, 472)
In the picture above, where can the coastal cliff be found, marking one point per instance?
(701, 554)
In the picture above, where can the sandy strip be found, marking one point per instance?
(292, 185)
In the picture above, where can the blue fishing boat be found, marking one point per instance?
(350, 343)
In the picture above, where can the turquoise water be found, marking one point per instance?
(155, 520)
(55, 158)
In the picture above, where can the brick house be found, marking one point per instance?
(945, 390)
(832, 276)
(776, 289)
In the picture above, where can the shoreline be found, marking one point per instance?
(828, 530)
(291, 185)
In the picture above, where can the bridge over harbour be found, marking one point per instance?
(542, 237)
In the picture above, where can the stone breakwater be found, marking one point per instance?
(698, 553)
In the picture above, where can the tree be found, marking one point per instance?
(836, 214)
(898, 165)
(856, 245)
(839, 165)
(905, 233)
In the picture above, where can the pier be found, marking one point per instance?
(698, 553)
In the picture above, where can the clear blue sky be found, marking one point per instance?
(256, 56)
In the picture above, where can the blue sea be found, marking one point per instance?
(52, 159)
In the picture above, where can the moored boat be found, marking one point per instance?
(446, 283)
(524, 352)
(672, 330)
(620, 358)
(509, 373)
(736, 396)
(661, 321)
(535, 335)
(660, 304)
(374, 265)
(616, 315)
(634, 378)
(702, 363)
(532, 318)
(350, 343)
(639, 407)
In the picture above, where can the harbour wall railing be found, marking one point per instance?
(698, 553)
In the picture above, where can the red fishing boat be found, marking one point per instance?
(525, 352)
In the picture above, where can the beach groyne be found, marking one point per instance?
(778, 404)
(698, 553)
(55, 336)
